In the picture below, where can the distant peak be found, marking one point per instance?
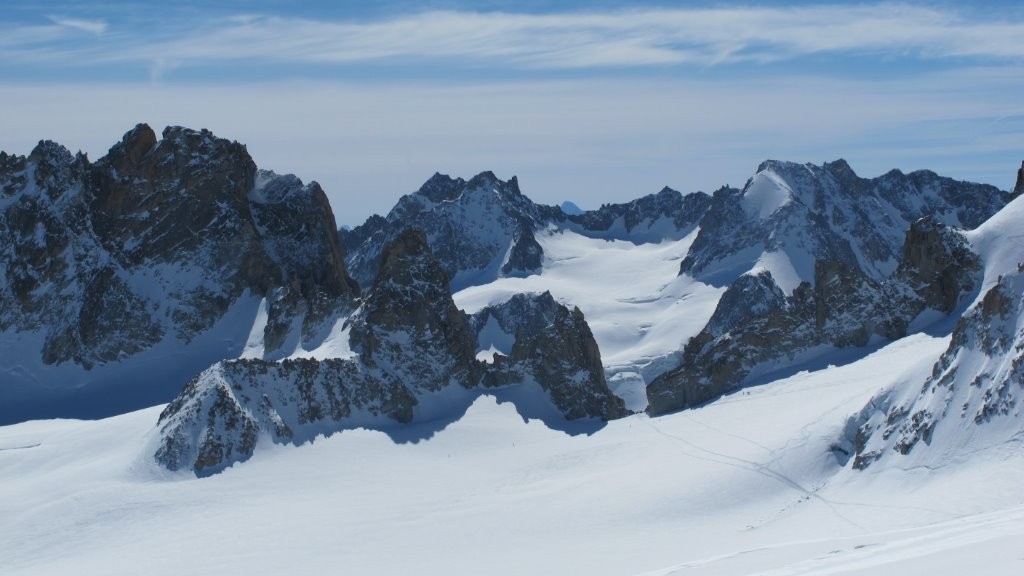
(176, 132)
(485, 178)
(778, 166)
(438, 179)
(138, 141)
(50, 151)
(570, 208)
(441, 187)
(1018, 189)
(840, 168)
(840, 164)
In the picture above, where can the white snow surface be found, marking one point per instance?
(787, 271)
(766, 193)
(744, 485)
(638, 307)
(971, 402)
(1000, 242)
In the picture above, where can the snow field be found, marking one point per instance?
(746, 484)
(638, 307)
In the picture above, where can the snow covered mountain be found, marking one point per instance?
(413, 355)
(479, 230)
(973, 399)
(848, 353)
(804, 258)
(125, 278)
(699, 294)
(485, 228)
(120, 279)
(789, 216)
(817, 258)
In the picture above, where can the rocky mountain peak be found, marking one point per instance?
(413, 346)
(153, 245)
(480, 230)
(483, 180)
(50, 152)
(406, 260)
(789, 215)
(938, 264)
(135, 144)
(55, 169)
(650, 218)
(754, 328)
(408, 322)
(841, 170)
(1018, 188)
(441, 187)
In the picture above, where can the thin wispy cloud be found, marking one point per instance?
(96, 27)
(577, 40)
(596, 105)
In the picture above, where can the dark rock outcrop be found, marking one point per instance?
(552, 346)
(651, 218)
(827, 213)
(408, 325)
(977, 382)
(154, 244)
(479, 229)
(1018, 188)
(218, 417)
(842, 308)
(412, 344)
(750, 295)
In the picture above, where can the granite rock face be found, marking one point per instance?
(547, 343)
(485, 228)
(755, 331)
(408, 325)
(412, 345)
(1018, 188)
(155, 243)
(807, 213)
(479, 229)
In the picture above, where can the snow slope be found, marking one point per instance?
(746, 484)
(972, 399)
(640, 310)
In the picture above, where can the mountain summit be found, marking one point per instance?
(125, 275)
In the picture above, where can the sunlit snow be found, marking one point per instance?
(639, 308)
(747, 484)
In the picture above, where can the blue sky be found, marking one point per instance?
(589, 101)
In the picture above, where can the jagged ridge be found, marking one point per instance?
(412, 343)
(155, 243)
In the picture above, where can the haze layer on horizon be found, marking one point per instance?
(590, 102)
